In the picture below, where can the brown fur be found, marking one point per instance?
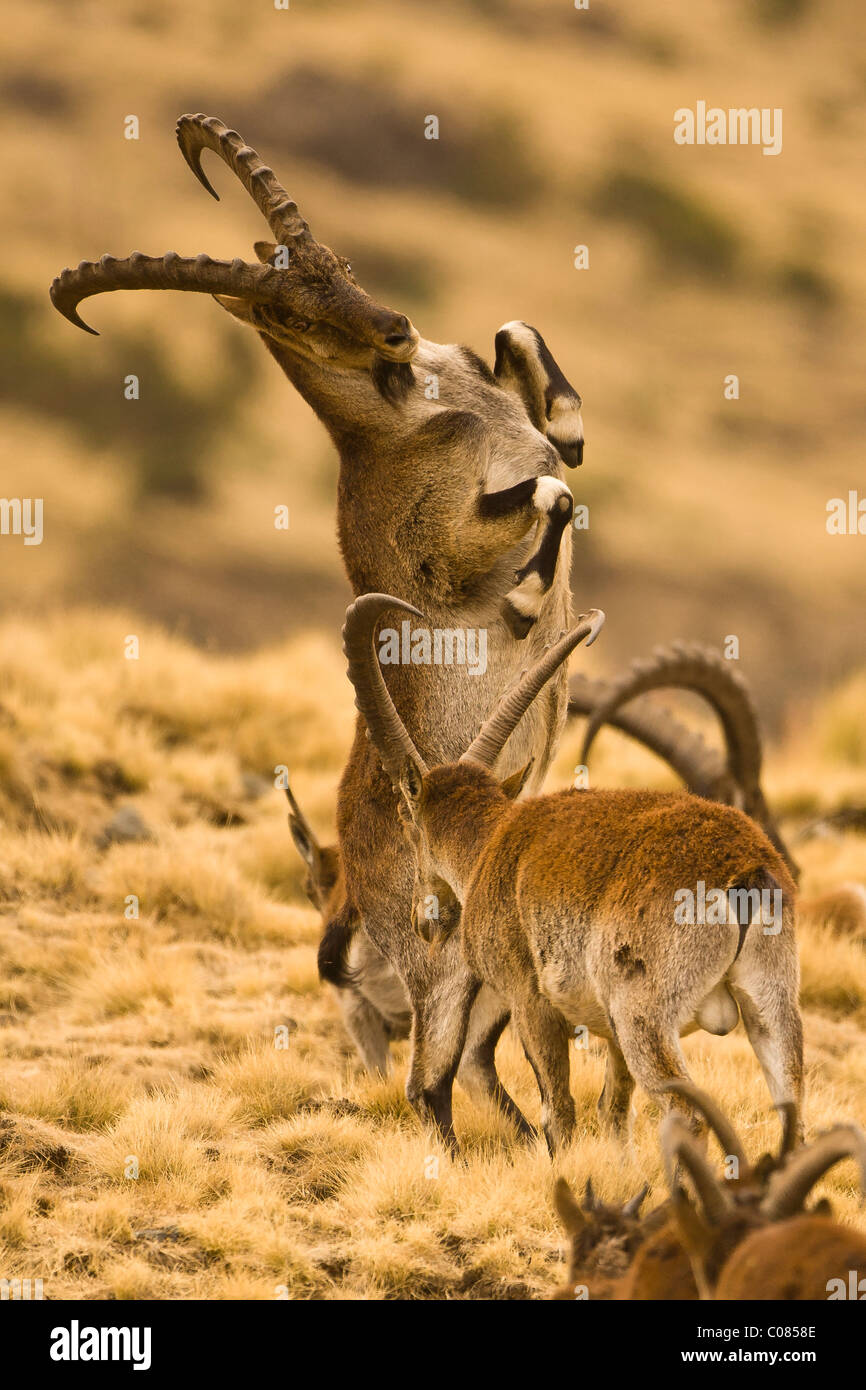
(794, 1260)
(568, 915)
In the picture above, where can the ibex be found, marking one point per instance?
(569, 902)
(447, 472)
(692, 1247)
(751, 1238)
(374, 1008)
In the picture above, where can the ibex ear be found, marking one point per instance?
(513, 785)
(569, 1213)
(239, 308)
(303, 843)
(411, 784)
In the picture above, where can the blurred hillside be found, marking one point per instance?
(707, 515)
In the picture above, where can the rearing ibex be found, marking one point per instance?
(448, 471)
(570, 903)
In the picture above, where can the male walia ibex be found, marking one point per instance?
(568, 904)
(450, 492)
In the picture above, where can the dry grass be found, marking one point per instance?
(181, 1115)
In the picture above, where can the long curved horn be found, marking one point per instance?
(200, 132)
(790, 1188)
(704, 671)
(689, 666)
(372, 697)
(715, 1118)
(701, 767)
(491, 738)
(199, 274)
(679, 1145)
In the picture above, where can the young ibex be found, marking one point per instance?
(448, 473)
(570, 903)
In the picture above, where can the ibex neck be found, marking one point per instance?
(460, 830)
(345, 399)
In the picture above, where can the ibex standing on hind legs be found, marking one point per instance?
(439, 499)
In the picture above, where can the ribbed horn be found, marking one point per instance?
(198, 133)
(715, 1118)
(491, 738)
(705, 672)
(789, 1189)
(198, 274)
(700, 767)
(679, 1145)
(372, 697)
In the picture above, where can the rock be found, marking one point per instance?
(125, 827)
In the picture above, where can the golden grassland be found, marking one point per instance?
(268, 1171)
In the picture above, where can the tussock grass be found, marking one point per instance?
(155, 1141)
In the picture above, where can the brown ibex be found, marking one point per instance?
(751, 1238)
(374, 1007)
(448, 473)
(569, 903)
(724, 1237)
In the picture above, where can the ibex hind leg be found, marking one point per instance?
(766, 990)
(650, 1047)
(439, 1027)
(615, 1100)
(477, 1071)
(545, 1037)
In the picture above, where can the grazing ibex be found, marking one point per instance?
(450, 492)
(724, 1238)
(374, 1006)
(575, 905)
(750, 1238)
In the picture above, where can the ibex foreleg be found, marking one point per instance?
(551, 499)
(525, 365)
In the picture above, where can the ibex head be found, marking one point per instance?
(302, 296)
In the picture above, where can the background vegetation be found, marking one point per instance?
(264, 1168)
